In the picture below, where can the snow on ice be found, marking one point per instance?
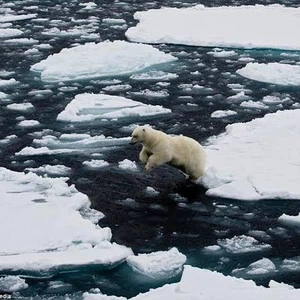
(274, 73)
(99, 60)
(88, 107)
(48, 230)
(248, 161)
(273, 27)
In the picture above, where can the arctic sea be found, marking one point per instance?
(146, 212)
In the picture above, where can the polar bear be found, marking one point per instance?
(180, 151)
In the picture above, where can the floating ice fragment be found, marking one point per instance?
(12, 18)
(95, 164)
(242, 244)
(177, 26)
(60, 170)
(261, 267)
(9, 32)
(88, 107)
(275, 73)
(158, 265)
(154, 76)
(99, 60)
(8, 82)
(11, 284)
(20, 106)
(223, 113)
(29, 123)
(127, 164)
(253, 105)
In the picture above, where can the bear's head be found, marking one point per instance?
(139, 134)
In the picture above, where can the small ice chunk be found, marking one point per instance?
(253, 105)
(117, 88)
(223, 113)
(8, 82)
(20, 106)
(96, 164)
(241, 96)
(219, 53)
(11, 284)
(212, 248)
(154, 76)
(242, 244)
(60, 170)
(158, 265)
(29, 123)
(9, 32)
(261, 267)
(127, 164)
(151, 191)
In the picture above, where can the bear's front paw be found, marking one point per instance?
(148, 167)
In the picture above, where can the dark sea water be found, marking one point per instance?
(181, 215)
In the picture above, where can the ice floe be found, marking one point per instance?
(48, 232)
(177, 26)
(241, 160)
(275, 73)
(158, 265)
(88, 107)
(99, 60)
(72, 143)
(196, 283)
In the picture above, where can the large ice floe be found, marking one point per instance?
(275, 73)
(88, 107)
(273, 27)
(47, 227)
(250, 162)
(99, 60)
(196, 284)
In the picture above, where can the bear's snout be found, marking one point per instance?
(133, 141)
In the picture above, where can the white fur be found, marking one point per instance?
(180, 151)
